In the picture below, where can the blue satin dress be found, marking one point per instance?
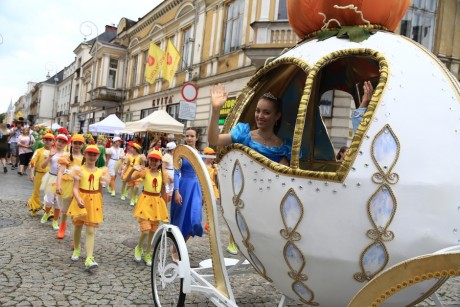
(188, 216)
(241, 134)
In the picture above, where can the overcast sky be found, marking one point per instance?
(39, 32)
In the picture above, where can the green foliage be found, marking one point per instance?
(2, 117)
(354, 33)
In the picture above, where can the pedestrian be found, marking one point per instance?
(150, 208)
(115, 155)
(37, 172)
(15, 132)
(87, 207)
(50, 178)
(4, 135)
(187, 200)
(68, 162)
(25, 143)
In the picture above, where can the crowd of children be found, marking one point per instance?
(69, 173)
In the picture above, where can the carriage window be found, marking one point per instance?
(287, 82)
(336, 92)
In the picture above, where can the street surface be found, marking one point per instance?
(36, 270)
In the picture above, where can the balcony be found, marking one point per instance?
(105, 97)
(271, 38)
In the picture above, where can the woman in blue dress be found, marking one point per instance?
(187, 200)
(263, 139)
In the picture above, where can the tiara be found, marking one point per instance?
(270, 96)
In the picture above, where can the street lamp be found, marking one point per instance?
(86, 28)
(49, 67)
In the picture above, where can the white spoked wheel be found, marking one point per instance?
(167, 285)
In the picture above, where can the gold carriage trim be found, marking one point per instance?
(239, 218)
(248, 92)
(291, 235)
(384, 178)
(406, 274)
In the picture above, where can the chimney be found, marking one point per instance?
(110, 28)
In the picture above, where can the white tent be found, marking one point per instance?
(158, 121)
(110, 124)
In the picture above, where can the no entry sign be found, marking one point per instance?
(189, 92)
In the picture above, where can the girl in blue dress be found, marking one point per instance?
(263, 139)
(187, 200)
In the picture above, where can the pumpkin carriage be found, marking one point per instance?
(379, 227)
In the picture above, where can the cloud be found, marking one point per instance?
(37, 32)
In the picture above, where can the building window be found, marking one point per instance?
(173, 110)
(113, 66)
(147, 112)
(282, 10)
(135, 60)
(145, 55)
(419, 22)
(233, 25)
(186, 48)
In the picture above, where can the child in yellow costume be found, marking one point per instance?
(123, 171)
(135, 159)
(50, 178)
(86, 207)
(151, 208)
(68, 162)
(37, 172)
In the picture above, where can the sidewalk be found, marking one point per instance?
(36, 269)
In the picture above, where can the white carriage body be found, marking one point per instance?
(314, 238)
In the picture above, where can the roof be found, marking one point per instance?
(59, 75)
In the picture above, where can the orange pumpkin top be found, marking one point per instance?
(304, 15)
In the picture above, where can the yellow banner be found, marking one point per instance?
(154, 63)
(171, 62)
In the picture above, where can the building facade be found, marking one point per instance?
(220, 42)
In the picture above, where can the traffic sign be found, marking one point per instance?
(189, 92)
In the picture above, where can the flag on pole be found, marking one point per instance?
(171, 62)
(154, 63)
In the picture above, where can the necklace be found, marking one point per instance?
(266, 140)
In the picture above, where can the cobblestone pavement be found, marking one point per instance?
(36, 270)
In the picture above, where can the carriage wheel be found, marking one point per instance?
(167, 286)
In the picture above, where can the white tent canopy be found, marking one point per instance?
(110, 124)
(50, 124)
(158, 121)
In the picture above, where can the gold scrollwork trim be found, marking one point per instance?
(406, 274)
(237, 201)
(365, 276)
(378, 233)
(385, 175)
(291, 235)
(288, 233)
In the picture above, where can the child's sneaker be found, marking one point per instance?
(148, 259)
(113, 193)
(138, 253)
(123, 197)
(45, 218)
(90, 263)
(232, 249)
(55, 225)
(76, 254)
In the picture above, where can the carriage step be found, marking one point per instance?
(207, 264)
